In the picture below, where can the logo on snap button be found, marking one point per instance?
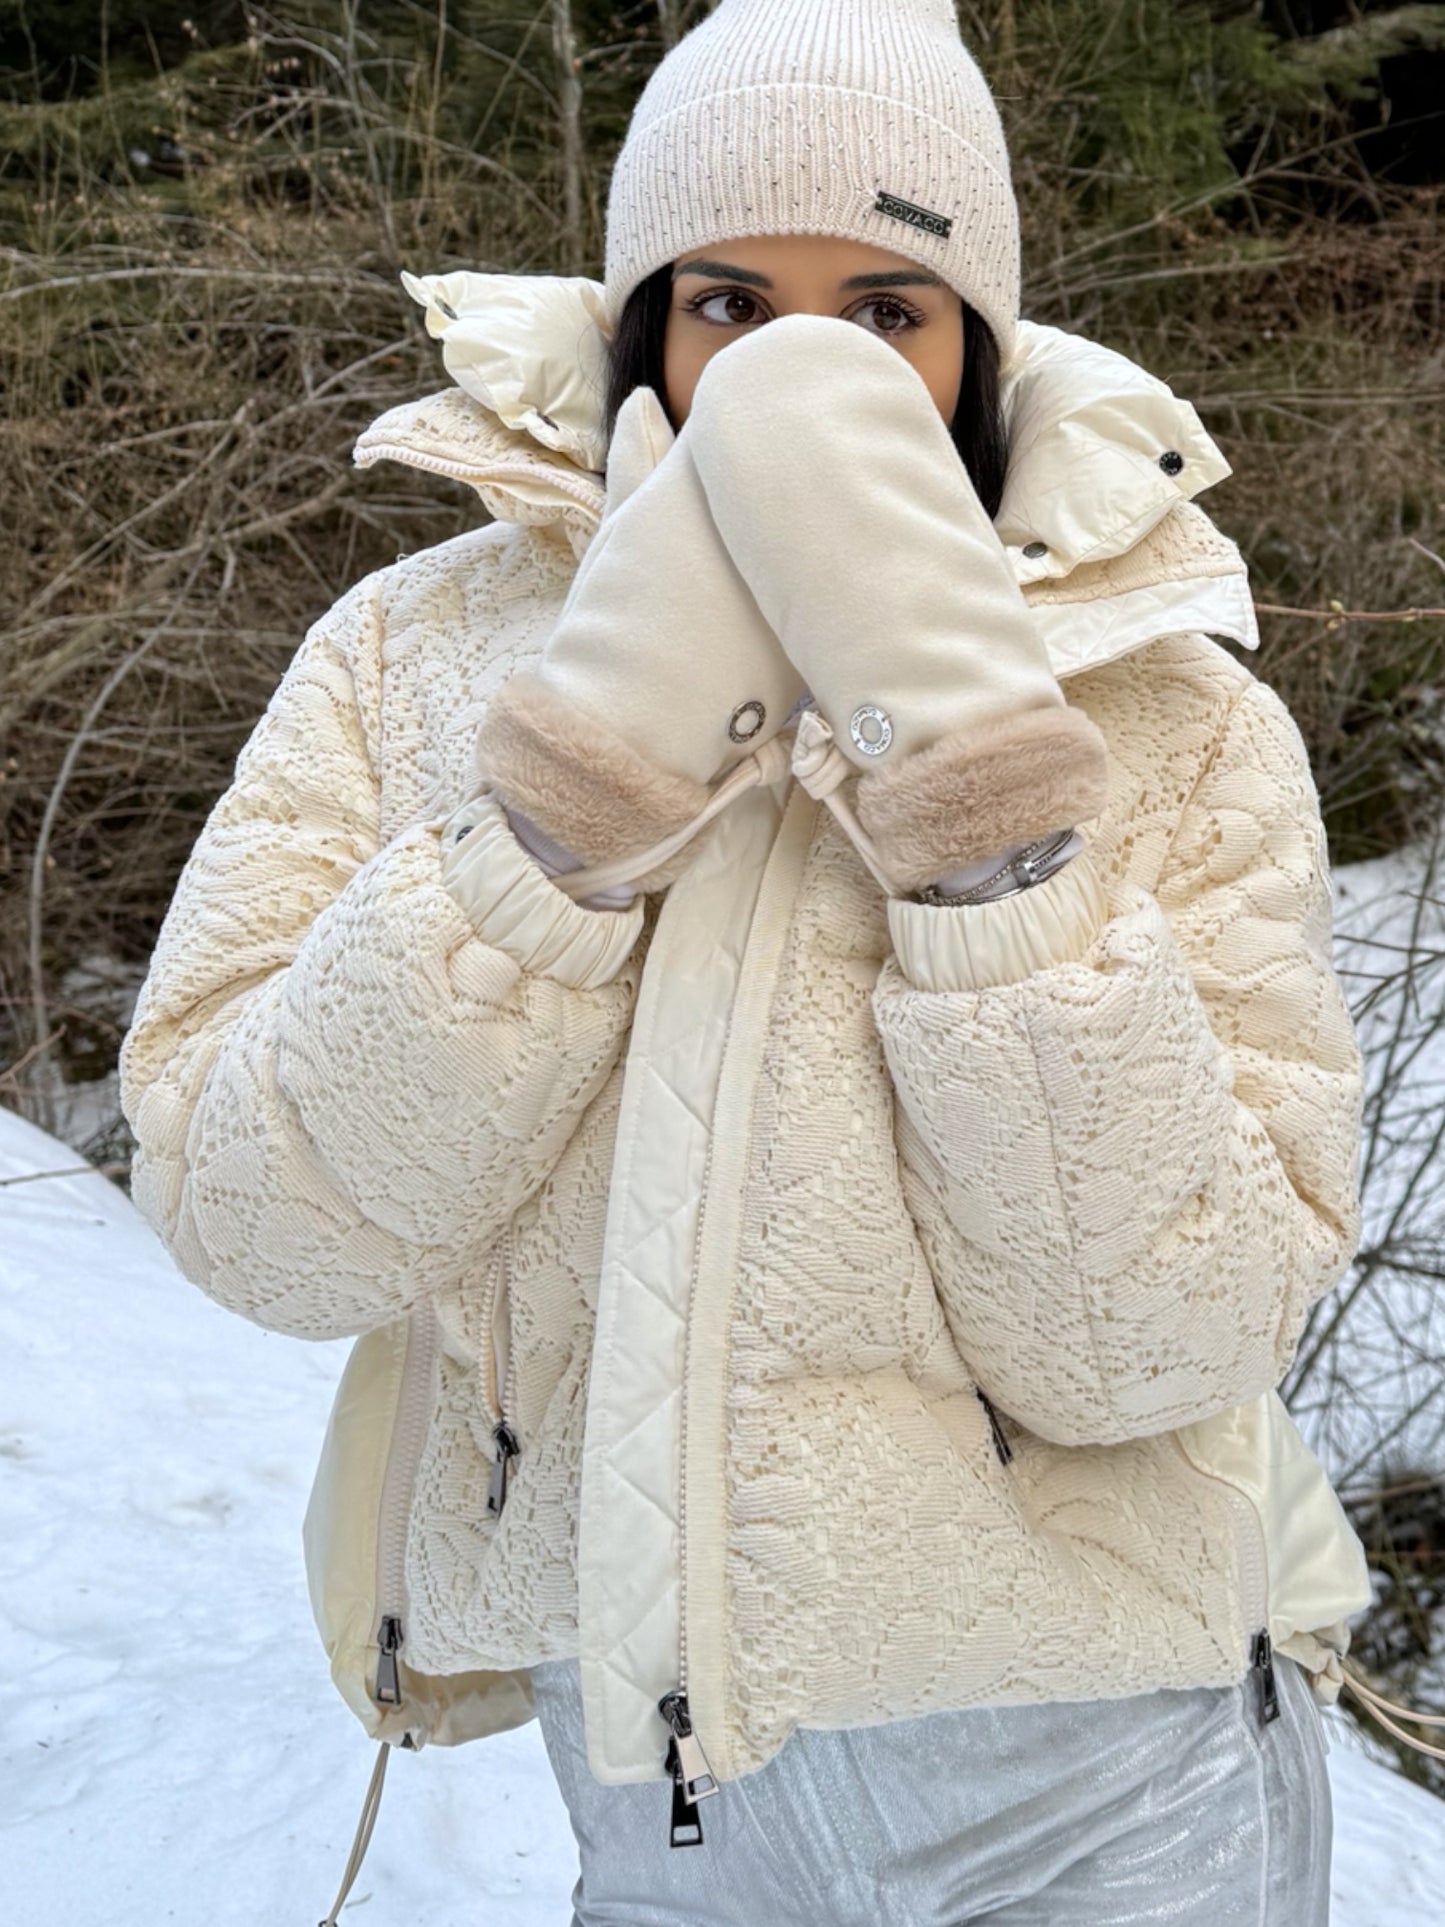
(882, 732)
(1171, 461)
(759, 714)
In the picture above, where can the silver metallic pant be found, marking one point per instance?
(1177, 1806)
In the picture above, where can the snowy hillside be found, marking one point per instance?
(170, 1745)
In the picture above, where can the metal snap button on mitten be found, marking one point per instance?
(736, 725)
(1033, 550)
(1171, 461)
(875, 742)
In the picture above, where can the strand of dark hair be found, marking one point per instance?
(977, 428)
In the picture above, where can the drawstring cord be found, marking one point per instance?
(765, 765)
(370, 1807)
(822, 769)
(1368, 1697)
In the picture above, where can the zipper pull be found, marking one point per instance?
(507, 1450)
(1000, 1442)
(692, 1778)
(388, 1678)
(685, 1822)
(1262, 1660)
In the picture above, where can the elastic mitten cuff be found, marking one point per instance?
(550, 856)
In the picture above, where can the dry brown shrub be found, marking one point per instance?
(181, 505)
(1322, 377)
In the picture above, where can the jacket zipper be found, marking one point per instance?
(506, 1444)
(407, 1440)
(687, 1767)
(685, 1763)
(1261, 1661)
(1255, 1583)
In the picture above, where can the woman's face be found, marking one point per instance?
(732, 287)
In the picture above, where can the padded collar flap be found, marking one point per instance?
(1100, 451)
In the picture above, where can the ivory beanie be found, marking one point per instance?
(867, 119)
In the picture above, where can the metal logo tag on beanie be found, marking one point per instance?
(898, 209)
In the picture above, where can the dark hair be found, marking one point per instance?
(636, 361)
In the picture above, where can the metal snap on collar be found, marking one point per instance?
(755, 709)
(882, 736)
(1171, 461)
(1033, 550)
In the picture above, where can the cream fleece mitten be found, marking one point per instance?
(837, 488)
(660, 676)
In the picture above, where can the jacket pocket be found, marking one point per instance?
(354, 1536)
(1312, 1567)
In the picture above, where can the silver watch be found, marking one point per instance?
(1033, 865)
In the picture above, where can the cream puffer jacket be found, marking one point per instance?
(826, 1307)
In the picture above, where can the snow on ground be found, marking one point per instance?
(171, 1748)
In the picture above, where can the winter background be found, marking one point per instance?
(205, 206)
(172, 1747)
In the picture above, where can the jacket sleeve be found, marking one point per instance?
(1128, 1122)
(352, 1061)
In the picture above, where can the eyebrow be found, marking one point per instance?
(895, 278)
(722, 271)
(886, 278)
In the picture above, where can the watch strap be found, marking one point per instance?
(1027, 867)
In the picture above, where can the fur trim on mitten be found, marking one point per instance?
(576, 776)
(980, 789)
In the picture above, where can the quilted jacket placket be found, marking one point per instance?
(704, 1444)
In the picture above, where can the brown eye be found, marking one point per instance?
(886, 315)
(737, 309)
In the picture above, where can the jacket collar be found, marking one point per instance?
(1102, 453)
